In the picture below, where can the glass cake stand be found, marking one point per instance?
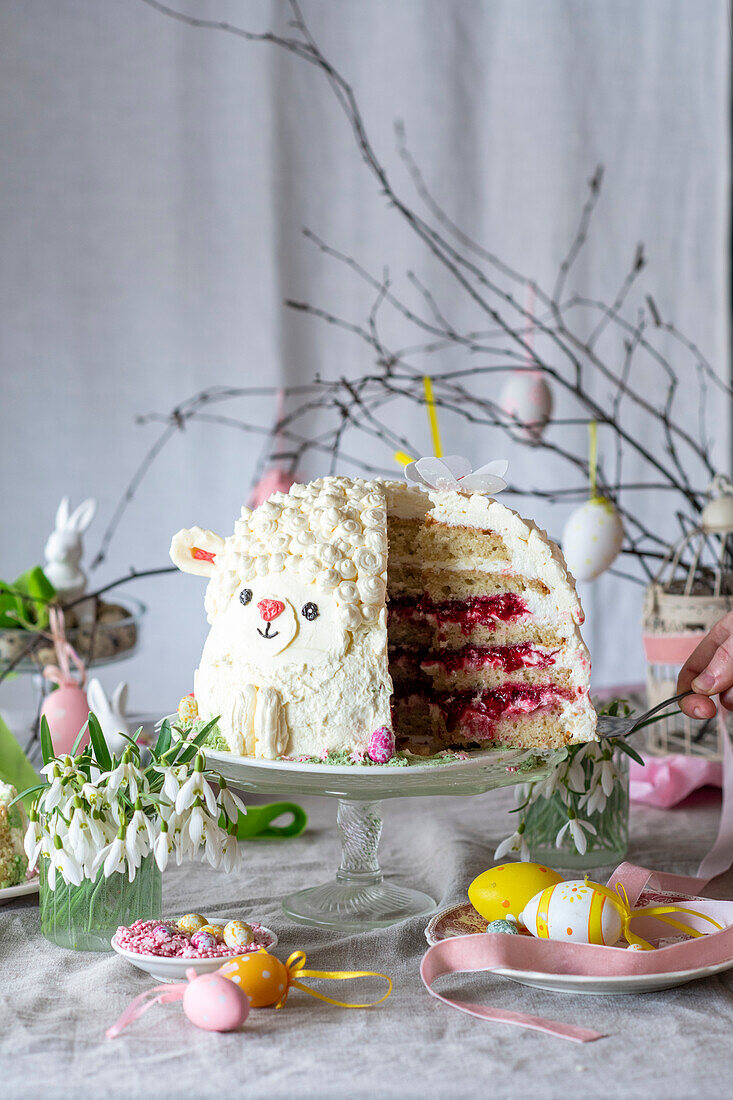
(358, 898)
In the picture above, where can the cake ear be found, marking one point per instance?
(194, 550)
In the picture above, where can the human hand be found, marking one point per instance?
(709, 671)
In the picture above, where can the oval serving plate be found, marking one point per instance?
(463, 920)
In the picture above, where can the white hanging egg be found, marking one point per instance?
(592, 539)
(527, 396)
(573, 912)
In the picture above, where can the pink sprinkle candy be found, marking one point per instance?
(141, 938)
(381, 745)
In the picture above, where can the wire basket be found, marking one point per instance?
(693, 589)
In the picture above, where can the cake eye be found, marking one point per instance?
(245, 596)
(309, 611)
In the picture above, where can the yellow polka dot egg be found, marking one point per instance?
(260, 975)
(237, 933)
(574, 912)
(503, 891)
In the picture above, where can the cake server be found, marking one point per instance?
(611, 726)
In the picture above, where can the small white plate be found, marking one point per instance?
(19, 891)
(174, 969)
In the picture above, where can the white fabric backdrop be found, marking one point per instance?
(155, 180)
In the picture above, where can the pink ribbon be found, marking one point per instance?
(61, 674)
(159, 994)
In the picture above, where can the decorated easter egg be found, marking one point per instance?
(202, 941)
(237, 934)
(66, 710)
(188, 709)
(161, 933)
(260, 975)
(592, 539)
(215, 930)
(506, 927)
(213, 1003)
(190, 923)
(526, 397)
(575, 912)
(504, 891)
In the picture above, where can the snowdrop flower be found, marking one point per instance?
(65, 862)
(594, 800)
(195, 788)
(173, 778)
(163, 846)
(80, 839)
(577, 830)
(214, 841)
(113, 855)
(514, 843)
(126, 771)
(231, 855)
(137, 837)
(52, 797)
(230, 803)
(33, 839)
(454, 472)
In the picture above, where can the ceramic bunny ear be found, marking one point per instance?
(119, 699)
(194, 550)
(62, 514)
(82, 516)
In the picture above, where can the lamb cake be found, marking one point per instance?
(354, 619)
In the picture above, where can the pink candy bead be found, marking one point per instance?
(145, 937)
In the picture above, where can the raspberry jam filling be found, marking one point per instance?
(468, 613)
(480, 712)
(472, 658)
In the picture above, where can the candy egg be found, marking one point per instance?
(592, 539)
(161, 933)
(237, 934)
(506, 926)
(213, 1003)
(214, 930)
(190, 923)
(504, 891)
(202, 941)
(188, 709)
(574, 912)
(260, 975)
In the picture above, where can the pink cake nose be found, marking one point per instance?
(270, 609)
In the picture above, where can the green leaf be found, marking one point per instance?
(27, 794)
(195, 743)
(626, 747)
(164, 739)
(79, 737)
(99, 743)
(46, 742)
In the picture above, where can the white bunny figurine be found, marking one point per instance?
(111, 713)
(64, 549)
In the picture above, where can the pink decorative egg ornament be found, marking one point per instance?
(66, 710)
(381, 745)
(213, 1003)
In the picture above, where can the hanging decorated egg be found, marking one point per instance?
(575, 912)
(190, 922)
(592, 539)
(214, 1004)
(503, 891)
(527, 397)
(260, 975)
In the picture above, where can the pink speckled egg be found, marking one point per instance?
(381, 745)
(202, 940)
(161, 933)
(214, 1003)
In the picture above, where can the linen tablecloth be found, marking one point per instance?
(56, 1004)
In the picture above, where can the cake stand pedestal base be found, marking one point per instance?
(358, 898)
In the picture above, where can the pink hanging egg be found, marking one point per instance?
(66, 710)
(275, 480)
(214, 1003)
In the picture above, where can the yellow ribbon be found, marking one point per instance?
(620, 901)
(295, 968)
(403, 458)
(432, 415)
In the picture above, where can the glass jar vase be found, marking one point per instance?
(607, 840)
(85, 917)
